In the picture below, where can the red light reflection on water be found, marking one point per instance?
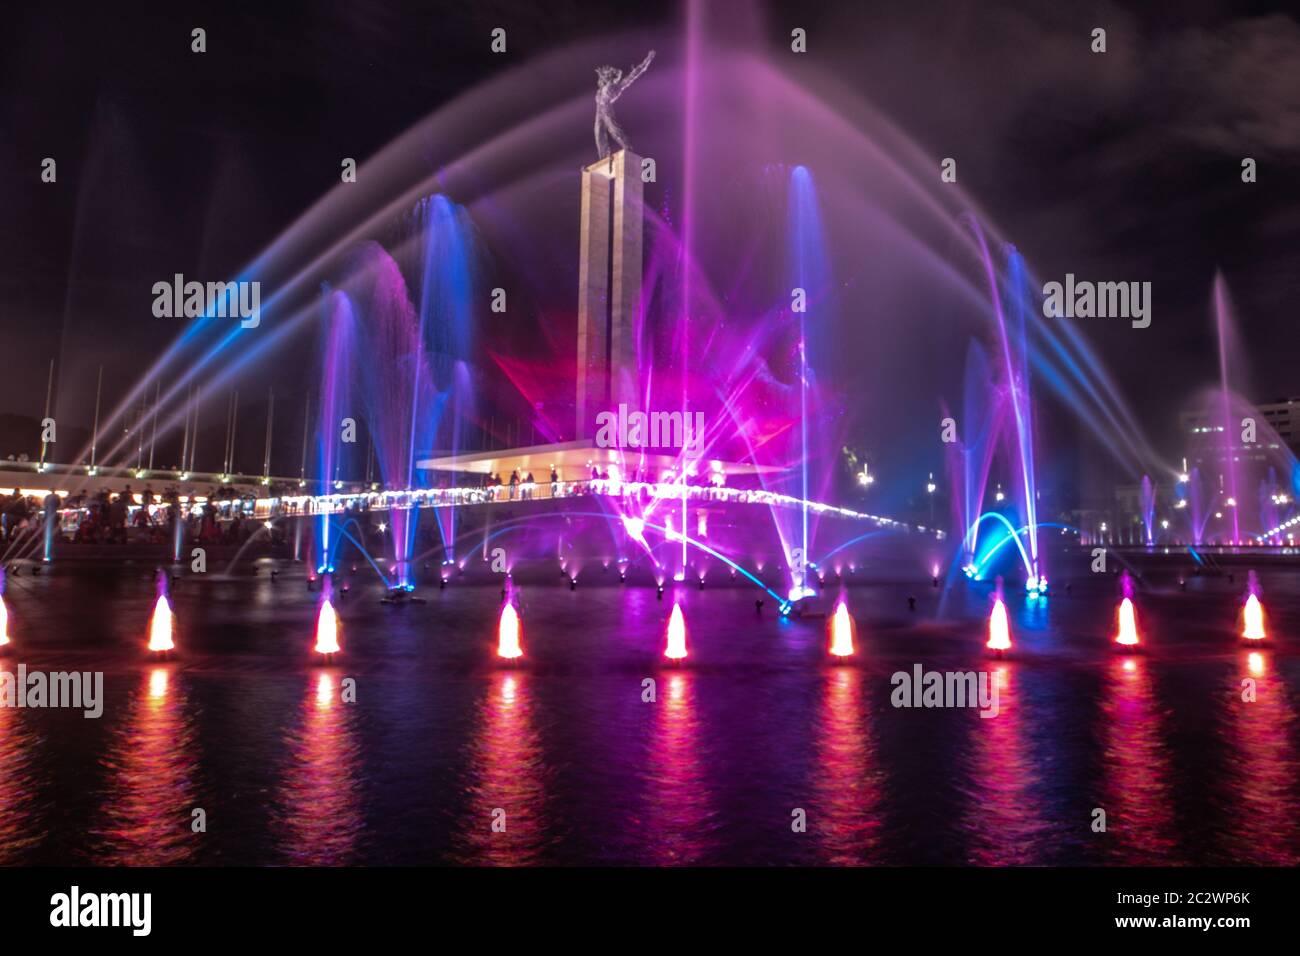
(845, 816)
(676, 788)
(508, 769)
(1002, 824)
(1137, 788)
(1262, 779)
(18, 824)
(319, 808)
(150, 769)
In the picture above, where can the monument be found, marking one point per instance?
(609, 261)
(609, 302)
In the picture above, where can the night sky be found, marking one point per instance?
(1120, 166)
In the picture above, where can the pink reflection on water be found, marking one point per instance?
(1002, 821)
(18, 750)
(150, 769)
(676, 789)
(844, 817)
(319, 803)
(1262, 777)
(1137, 785)
(508, 769)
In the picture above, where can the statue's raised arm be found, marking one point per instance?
(636, 71)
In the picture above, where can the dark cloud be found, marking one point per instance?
(1233, 90)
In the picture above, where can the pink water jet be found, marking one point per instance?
(1127, 634)
(327, 626)
(160, 627)
(160, 624)
(999, 629)
(508, 634)
(1253, 613)
(842, 630)
(676, 649)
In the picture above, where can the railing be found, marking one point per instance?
(629, 491)
(533, 491)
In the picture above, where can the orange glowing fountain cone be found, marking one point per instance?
(508, 633)
(999, 630)
(160, 628)
(676, 649)
(1126, 615)
(1253, 618)
(161, 639)
(327, 630)
(1253, 613)
(1128, 632)
(842, 630)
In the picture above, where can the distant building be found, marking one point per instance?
(1203, 434)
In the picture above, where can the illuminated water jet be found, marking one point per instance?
(842, 628)
(508, 632)
(160, 625)
(1253, 613)
(999, 630)
(327, 626)
(676, 649)
(1127, 634)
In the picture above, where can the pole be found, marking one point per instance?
(94, 435)
(234, 424)
(185, 442)
(49, 391)
(306, 420)
(139, 432)
(270, 418)
(194, 442)
(231, 422)
(225, 449)
(153, 438)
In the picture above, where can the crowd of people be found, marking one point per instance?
(108, 517)
(227, 515)
(520, 487)
(21, 514)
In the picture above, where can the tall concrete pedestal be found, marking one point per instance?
(609, 287)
